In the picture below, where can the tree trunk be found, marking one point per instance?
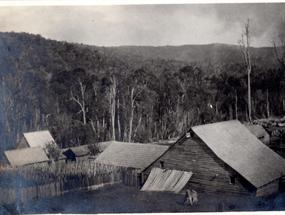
(81, 102)
(283, 105)
(216, 109)
(138, 125)
(267, 104)
(231, 112)
(131, 115)
(249, 95)
(246, 55)
(113, 106)
(236, 104)
(93, 126)
(82, 89)
(118, 120)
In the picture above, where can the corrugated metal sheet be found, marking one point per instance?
(233, 143)
(39, 138)
(21, 157)
(166, 180)
(134, 155)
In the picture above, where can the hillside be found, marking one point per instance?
(132, 93)
(13, 45)
(201, 54)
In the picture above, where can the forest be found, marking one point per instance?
(87, 94)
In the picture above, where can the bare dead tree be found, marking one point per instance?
(245, 49)
(133, 97)
(112, 101)
(80, 100)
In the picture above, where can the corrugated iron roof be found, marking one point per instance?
(134, 155)
(233, 143)
(39, 138)
(25, 156)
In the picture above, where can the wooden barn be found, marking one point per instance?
(26, 156)
(224, 157)
(36, 139)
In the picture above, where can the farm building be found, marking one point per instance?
(135, 156)
(26, 156)
(36, 139)
(224, 157)
(75, 152)
(71, 153)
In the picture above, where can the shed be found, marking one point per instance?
(36, 139)
(132, 155)
(72, 153)
(225, 157)
(75, 152)
(26, 156)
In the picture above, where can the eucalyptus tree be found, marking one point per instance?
(245, 48)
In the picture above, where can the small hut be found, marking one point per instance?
(74, 153)
(26, 156)
(36, 139)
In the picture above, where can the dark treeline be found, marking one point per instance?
(84, 94)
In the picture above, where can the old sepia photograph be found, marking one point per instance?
(142, 108)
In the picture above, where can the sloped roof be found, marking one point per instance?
(233, 143)
(38, 138)
(25, 156)
(80, 150)
(134, 155)
(166, 180)
(84, 149)
(106, 144)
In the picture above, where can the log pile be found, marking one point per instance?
(271, 122)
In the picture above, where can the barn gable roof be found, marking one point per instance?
(25, 156)
(38, 138)
(233, 143)
(133, 155)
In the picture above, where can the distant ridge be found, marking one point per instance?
(201, 53)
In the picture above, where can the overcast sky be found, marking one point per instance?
(146, 24)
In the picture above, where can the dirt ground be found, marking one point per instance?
(123, 199)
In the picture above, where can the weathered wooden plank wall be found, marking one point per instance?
(210, 174)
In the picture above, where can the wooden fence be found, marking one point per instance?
(58, 178)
